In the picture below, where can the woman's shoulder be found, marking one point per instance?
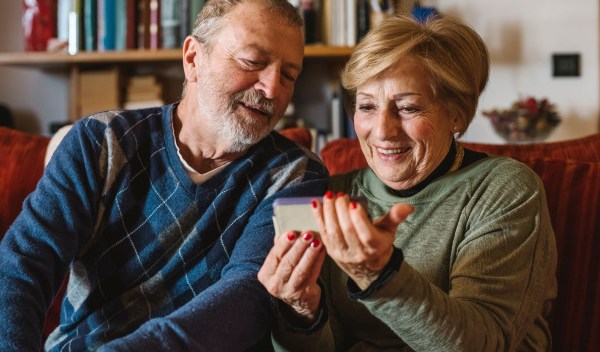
(502, 171)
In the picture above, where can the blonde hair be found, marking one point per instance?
(452, 52)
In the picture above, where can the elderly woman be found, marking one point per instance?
(460, 254)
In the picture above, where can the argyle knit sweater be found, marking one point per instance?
(155, 261)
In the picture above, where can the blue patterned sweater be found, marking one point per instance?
(155, 262)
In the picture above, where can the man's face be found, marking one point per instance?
(246, 80)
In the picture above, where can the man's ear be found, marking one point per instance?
(192, 49)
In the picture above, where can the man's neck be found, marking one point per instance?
(197, 141)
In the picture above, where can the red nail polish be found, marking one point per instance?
(329, 195)
(353, 205)
(307, 236)
(313, 203)
(340, 194)
(291, 236)
(315, 243)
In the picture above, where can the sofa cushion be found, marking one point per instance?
(22, 160)
(299, 135)
(581, 149)
(573, 193)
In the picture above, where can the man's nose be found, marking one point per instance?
(269, 82)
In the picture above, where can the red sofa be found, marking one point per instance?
(570, 171)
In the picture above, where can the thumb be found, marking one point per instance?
(394, 217)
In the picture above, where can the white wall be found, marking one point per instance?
(521, 35)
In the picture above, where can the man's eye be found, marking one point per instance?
(288, 76)
(252, 63)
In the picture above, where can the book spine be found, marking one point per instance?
(195, 7)
(155, 28)
(120, 24)
(169, 23)
(143, 24)
(131, 26)
(39, 24)
(185, 26)
(106, 24)
(89, 25)
(75, 27)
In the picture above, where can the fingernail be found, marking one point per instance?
(329, 195)
(340, 194)
(291, 236)
(307, 236)
(315, 243)
(353, 205)
(313, 203)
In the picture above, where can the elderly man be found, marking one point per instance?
(162, 216)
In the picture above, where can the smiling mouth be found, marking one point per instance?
(259, 109)
(392, 151)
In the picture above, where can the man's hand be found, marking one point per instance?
(291, 270)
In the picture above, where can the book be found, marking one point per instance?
(39, 23)
(155, 28)
(195, 7)
(143, 24)
(143, 91)
(185, 26)
(90, 39)
(107, 27)
(75, 20)
(169, 22)
(120, 24)
(131, 26)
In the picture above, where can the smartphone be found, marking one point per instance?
(296, 214)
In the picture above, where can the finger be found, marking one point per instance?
(348, 231)
(331, 233)
(290, 260)
(282, 245)
(307, 271)
(366, 232)
(397, 214)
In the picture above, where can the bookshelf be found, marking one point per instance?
(152, 60)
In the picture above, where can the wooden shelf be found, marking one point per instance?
(62, 60)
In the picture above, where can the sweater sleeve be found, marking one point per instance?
(38, 247)
(499, 281)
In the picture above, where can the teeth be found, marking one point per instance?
(391, 151)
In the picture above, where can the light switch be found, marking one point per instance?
(565, 65)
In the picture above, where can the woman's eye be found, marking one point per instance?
(365, 107)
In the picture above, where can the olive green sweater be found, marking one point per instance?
(478, 271)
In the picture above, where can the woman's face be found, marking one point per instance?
(403, 132)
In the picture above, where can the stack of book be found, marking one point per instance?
(143, 92)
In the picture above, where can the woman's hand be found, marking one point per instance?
(291, 270)
(360, 247)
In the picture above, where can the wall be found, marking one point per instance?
(521, 35)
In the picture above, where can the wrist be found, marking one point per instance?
(393, 265)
